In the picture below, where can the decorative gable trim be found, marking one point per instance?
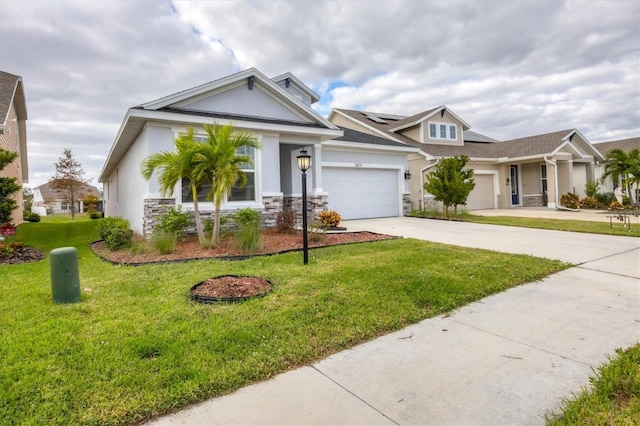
(298, 83)
(569, 143)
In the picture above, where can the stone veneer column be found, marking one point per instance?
(316, 203)
(153, 207)
(272, 206)
(406, 204)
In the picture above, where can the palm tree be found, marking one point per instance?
(218, 161)
(173, 167)
(626, 165)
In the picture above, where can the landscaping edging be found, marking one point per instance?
(223, 299)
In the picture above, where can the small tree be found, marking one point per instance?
(68, 181)
(27, 197)
(90, 203)
(8, 187)
(449, 183)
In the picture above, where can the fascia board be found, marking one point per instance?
(373, 129)
(465, 125)
(370, 147)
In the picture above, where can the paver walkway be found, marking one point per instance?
(506, 359)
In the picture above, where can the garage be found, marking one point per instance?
(358, 193)
(483, 195)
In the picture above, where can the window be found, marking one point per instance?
(245, 193)
(432, 130)
(443, 131)
(543, 177)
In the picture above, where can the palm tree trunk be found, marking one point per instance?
(196, 211)
(216, 226)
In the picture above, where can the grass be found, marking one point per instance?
(539, 223)
(64, 217)
(136, 346)
(614, 396)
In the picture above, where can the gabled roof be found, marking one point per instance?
(299, 84)
(355, 136)
(165, 110)
(545, 144)
(624, 144)
(12, 93)
(416, 119)
(471, 136)
(48, 193)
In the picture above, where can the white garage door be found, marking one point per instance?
(362, 193)
(482, 195)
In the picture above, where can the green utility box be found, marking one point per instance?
(65, 276)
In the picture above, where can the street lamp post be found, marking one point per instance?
(304, 162)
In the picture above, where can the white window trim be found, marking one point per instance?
(447, 127)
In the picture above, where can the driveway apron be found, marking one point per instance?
(509, 358)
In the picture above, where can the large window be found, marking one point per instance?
(443, 131)
(245, 193)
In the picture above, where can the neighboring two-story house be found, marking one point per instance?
(13, 133)
(530, 171)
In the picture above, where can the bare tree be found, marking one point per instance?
(68, 181)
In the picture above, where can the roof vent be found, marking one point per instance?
(442, 111)
(251, 80)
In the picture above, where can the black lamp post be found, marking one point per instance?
(304, 162)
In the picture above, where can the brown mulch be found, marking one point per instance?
(272, 242)
(232, 287)
(21, 255)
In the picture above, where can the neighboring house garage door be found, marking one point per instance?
(362, 193)
(482, 195)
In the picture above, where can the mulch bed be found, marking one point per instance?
(21, 255)
(272, 242)
(229, 288)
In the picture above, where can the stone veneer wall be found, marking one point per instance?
(154, 207)
(406, 204)
(533, 200)
(315, 205)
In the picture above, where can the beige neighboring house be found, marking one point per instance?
(605, 147)
(47, 201)
(525, 172)
(13, 132)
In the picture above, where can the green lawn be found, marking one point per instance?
(554, 224)
(64, 217)
(613, 399)
(136, 346)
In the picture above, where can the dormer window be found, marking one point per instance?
(443, 131)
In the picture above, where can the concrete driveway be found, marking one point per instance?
(506, 359)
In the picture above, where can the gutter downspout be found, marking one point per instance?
(555, 179)
(422, 173)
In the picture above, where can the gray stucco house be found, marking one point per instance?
(358, 174)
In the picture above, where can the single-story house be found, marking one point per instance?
(359, 175)
(47, 200)
(625, 145)
(13, 133)
(530, 171)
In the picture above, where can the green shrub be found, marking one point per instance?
(108, 224)
(570, 201)
(591, 188)
(615, 205)
(207, 226)
(118, 239)
(248, 237)
(175, 221)
(285, 221)
(330, 218)
(96, 215)
(589, 203)
(31, 217)
(605, 198)
(164, 241)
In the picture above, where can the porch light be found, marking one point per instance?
(304, 162)
(407, 175)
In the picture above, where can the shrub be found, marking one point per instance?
(330, 218)
(589, 203)
(248, 236)
(615, 205)
(174, 221)
(606, 198)
(164, 241)
(317, 231)
(96, 215)
(591, 188)
(106, 225)
(118, 239)
(570, 201)
(285, 221)
(31, 217)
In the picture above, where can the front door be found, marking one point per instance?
(515, 193)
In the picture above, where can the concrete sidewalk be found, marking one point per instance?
(506, 359)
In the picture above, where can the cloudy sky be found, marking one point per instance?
(508, 68)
